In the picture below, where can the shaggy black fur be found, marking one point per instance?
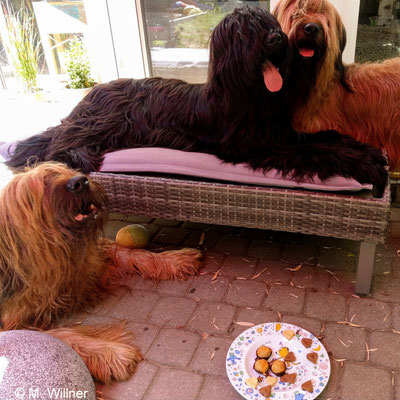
(233, 115)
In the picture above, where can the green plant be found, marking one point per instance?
(78, 66)
(23, 46)
(195, 32)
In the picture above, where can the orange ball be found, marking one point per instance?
(133, 236)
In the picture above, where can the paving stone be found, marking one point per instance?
(172, 312)
(210, 357)
(212, 318)
(287, 237)
(343, 283)
(383, 265)
(388, 345)
(93, 319)
(396, 317)
(170, 223)
(234, 245)
(276, 272)
(234, 230)
(196, 226)
(212, 262)
(106, 307)
(395, 214)
(362, 382)
(205, 288)
(239, 267)
(171, 236)
(396, 266)
(394, 230)
(112, 229)
(134, 388)
(309, 324)
(311, 278)
(369, 313)
(138, 219)
(209, 241)
(176, 288)
(246, 293)
(264, 249)
(386, 289)
(255, 317)
(325, 306)
(285, 299)
(174, 347)
(138, 283)
(135, 306)
(257, 234)
(144, 333)
(218, 389)
(299, 253)
(337, 259)
(354, 340)
(172, 384)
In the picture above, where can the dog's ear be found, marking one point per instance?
(339, 66)
(79, 158)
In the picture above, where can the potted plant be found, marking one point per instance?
(23, 46)
(77, 66)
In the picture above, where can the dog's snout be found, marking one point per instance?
(275, 39)
(78, 184)
(312, 29)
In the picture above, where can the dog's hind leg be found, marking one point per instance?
(125, 262)
(107, 350)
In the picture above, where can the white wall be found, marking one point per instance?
(348, 10)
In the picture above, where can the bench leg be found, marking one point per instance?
(364, 268)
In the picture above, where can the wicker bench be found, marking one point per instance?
(355, 217)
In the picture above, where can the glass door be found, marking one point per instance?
(177, 34)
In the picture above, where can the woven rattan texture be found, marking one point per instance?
(336, 215)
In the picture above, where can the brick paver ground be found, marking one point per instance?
(185, 328)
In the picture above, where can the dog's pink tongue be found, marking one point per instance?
(307, 52)
(272, 78)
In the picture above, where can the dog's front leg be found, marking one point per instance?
(108, 351)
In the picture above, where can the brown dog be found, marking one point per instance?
(360, 100)
(54, 263)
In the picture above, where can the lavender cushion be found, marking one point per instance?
(167, 161)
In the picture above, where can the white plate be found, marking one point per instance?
(242, 354)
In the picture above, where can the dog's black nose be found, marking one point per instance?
(274, 39)
(311, 29)
(78, 184)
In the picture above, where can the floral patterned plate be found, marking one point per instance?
(242, 354)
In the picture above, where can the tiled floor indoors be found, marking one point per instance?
(185, 328)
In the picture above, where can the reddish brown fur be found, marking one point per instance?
(53, 266)
(370, 110)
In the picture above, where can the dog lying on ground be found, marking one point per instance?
(361, 100)
(240, 114)
(54, 263)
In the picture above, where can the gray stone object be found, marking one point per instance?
(34, 365)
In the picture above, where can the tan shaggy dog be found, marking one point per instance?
(54, 263)
(360, 100)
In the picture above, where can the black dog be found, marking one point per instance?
(240, 114)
